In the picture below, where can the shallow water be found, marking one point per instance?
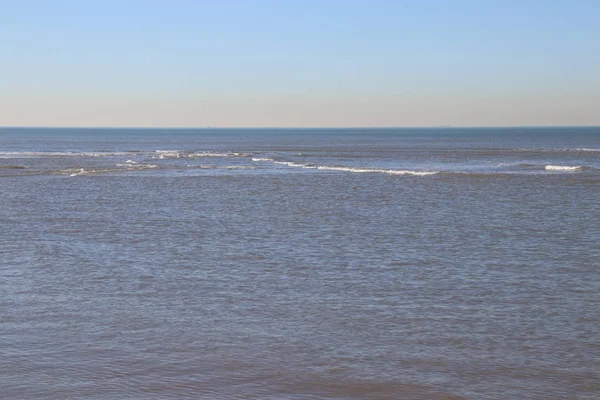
(300, 264)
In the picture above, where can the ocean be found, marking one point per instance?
(300, 263)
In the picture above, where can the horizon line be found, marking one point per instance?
(295, 127)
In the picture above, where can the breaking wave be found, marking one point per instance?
(28, 154)
(563, 168)
(560, 150)
(137, 166)
(82, 171)
(162, 154)
(349, 169)
(375, 170)
(593, 150)
(545, 167)
(123, 168)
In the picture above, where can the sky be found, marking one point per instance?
(299, 63)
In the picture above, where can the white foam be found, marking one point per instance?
(578, 149)
(81, 172)
(564, 149)
(293, 164)
(566, 168)
(357, 170)
(381, 171)
(105, 154)
(208, 154)
(162, 154)
(138, 166)
(240, 167)
(28, 154)
(129, 167)
(258, 159)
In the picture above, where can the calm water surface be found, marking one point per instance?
(300, 264)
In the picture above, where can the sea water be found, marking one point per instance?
(300, 264)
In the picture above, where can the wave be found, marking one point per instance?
(240, 167)
(585, 149)
(352, 169)
(219, 155)
(123, 168)
(137, 166)
(560, 150)
(526, 165)
(293, 164)
(82, 171)
(162, 154)
(545, 167)
(28, 154)
(375, 170)
(563, 168)
(519, 166)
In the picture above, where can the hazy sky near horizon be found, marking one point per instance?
(309, 63)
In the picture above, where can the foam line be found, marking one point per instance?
(563, 168)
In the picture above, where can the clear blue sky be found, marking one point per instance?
(299, 63)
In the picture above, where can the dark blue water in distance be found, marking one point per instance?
(300, 264)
